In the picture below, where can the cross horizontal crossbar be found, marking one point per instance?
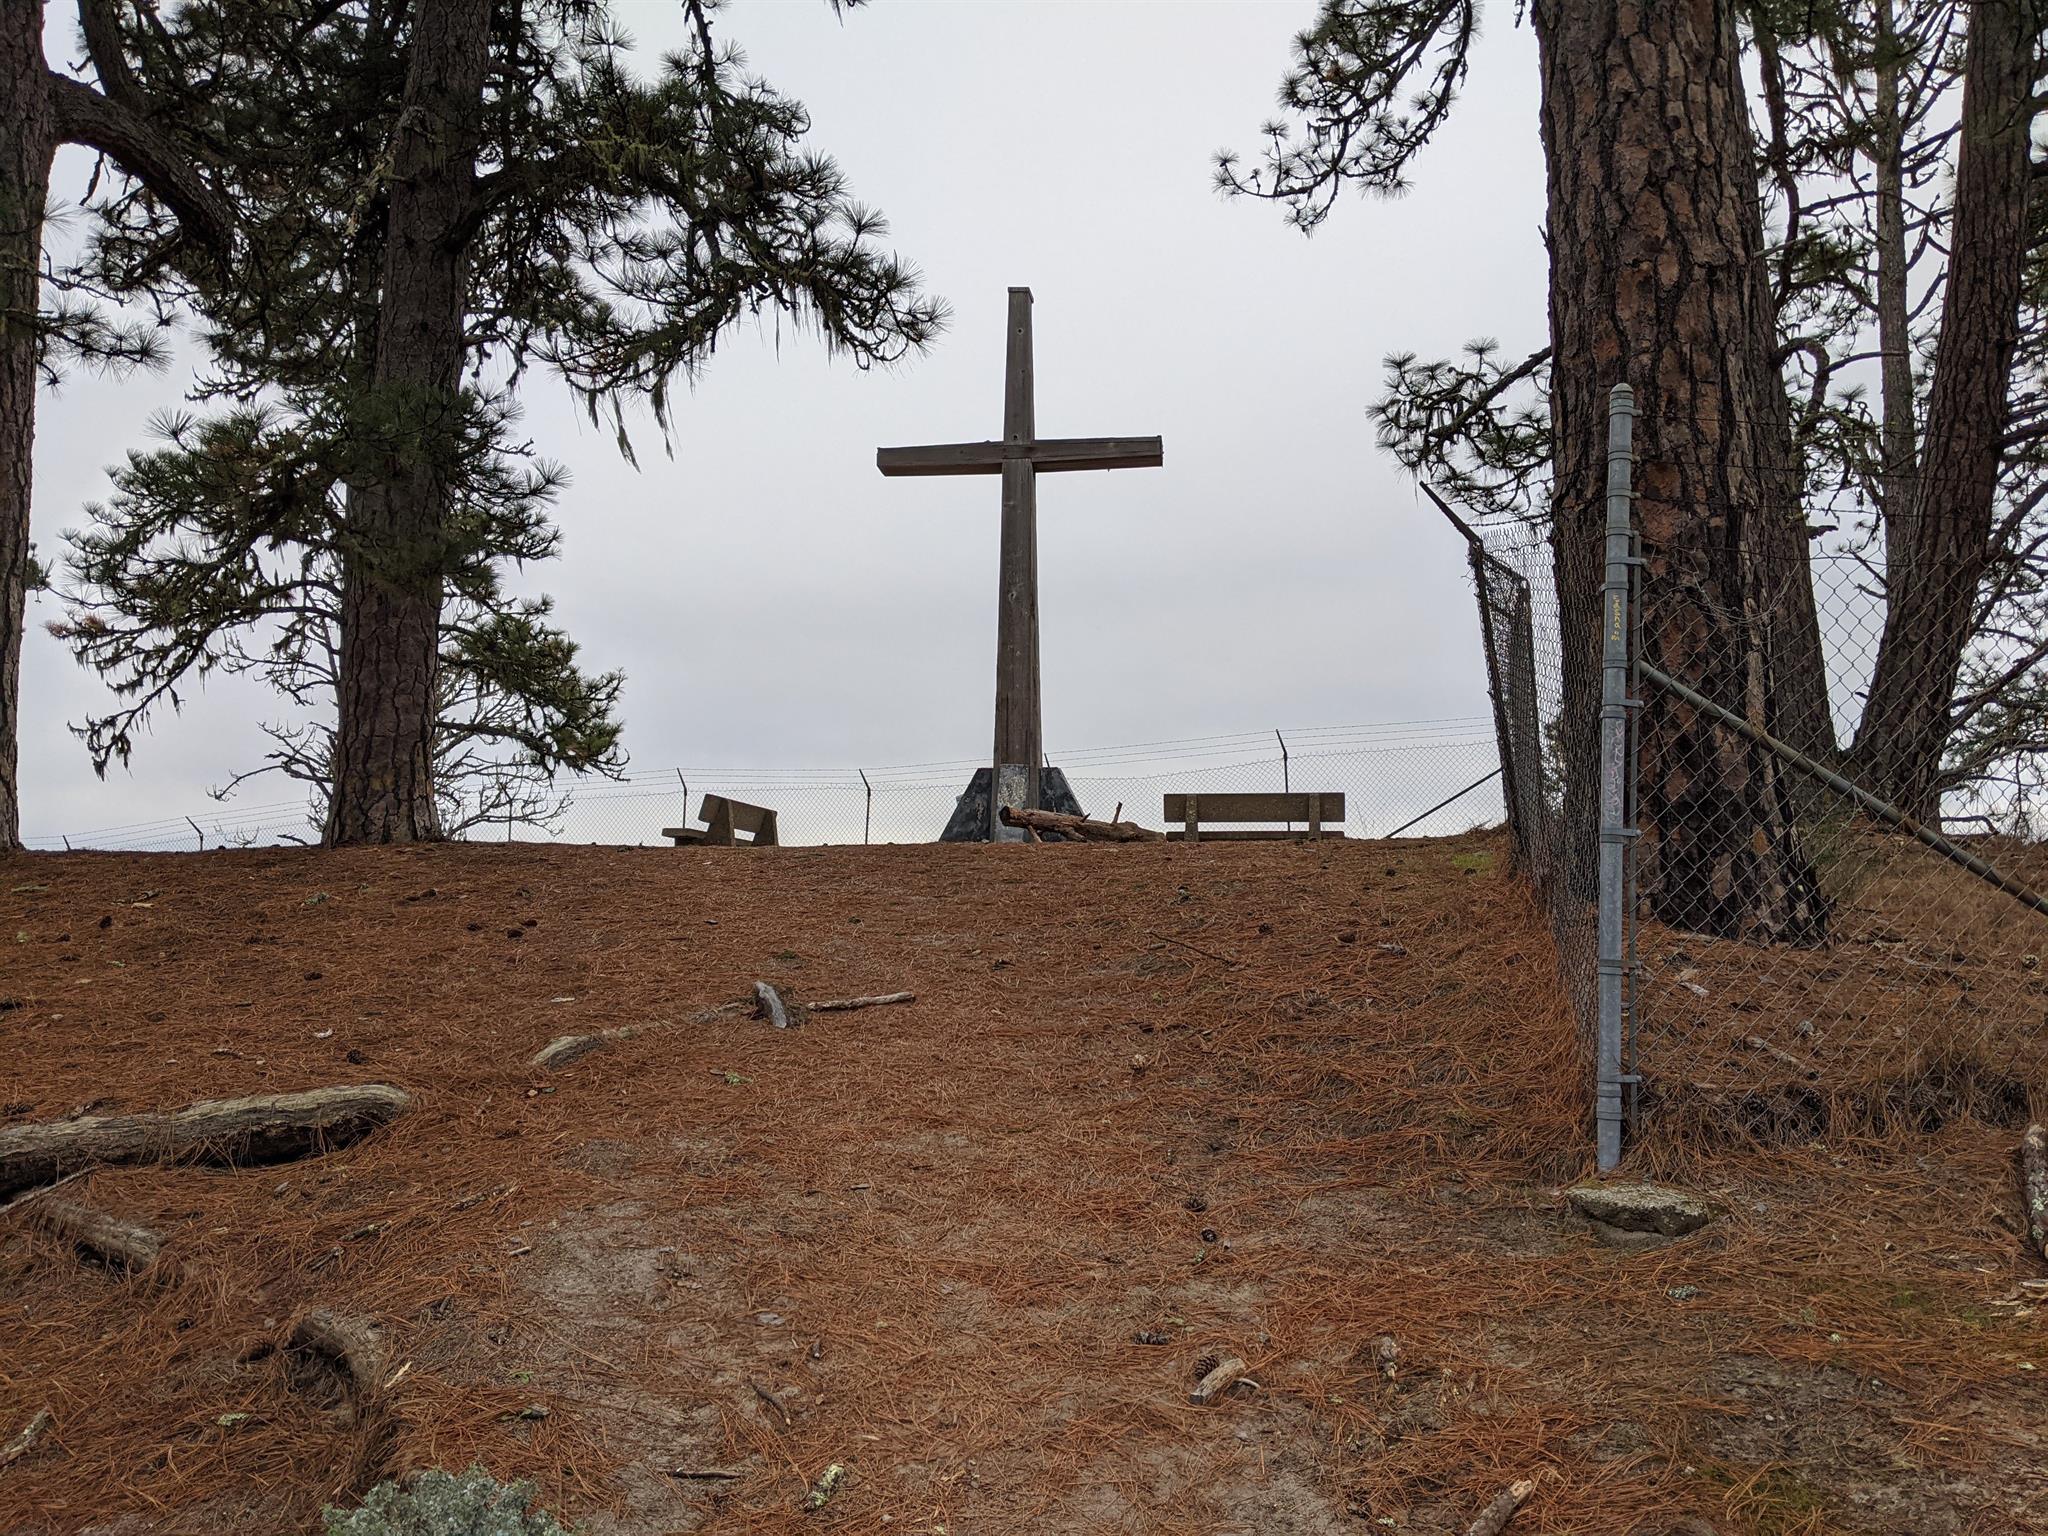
(1050, 454)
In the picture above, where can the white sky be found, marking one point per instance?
(775, 602)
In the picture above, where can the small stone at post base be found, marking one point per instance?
(969, 822)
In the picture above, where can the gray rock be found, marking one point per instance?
(1640, 1208)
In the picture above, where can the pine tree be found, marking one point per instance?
(44, 109)
(439, 198)
(222, 549)
(1737, 332)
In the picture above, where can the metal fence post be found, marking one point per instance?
(1614, 831)
(1286, 781)
(867, 819)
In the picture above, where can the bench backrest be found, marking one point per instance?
(724, 818)
(1257, 807)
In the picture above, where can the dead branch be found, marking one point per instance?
(2034, 1186)
(1165, 938)
(25, 1442)
(102, 1238)
(269, 1128)
(563, 1049)
(1494, 1518)
(1080, 828)
(1218, 1381)
(842, 1004)
(1778, 1054)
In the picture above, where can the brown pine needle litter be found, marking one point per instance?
(921, 1243)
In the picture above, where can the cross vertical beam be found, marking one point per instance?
(1019, 742)
(1019, 457)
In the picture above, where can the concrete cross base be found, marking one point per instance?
(969, 822)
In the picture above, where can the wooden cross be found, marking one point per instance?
(1018, 458)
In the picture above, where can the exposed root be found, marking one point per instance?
(564, 1049)
(270, 1128)
(103, 1239)
(352, 1347)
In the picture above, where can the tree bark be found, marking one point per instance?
(28, 140)
(1937, 544)
(409, 424)
(1900, 407)
(1658, 279)
(41, 111)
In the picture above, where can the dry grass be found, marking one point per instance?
(922, 1241)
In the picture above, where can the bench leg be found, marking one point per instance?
(1191, 825)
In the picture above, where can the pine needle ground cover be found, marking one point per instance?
(1153, 1109)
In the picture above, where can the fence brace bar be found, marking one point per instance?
(1615, 832)
(2025, 895)
(1447, 800)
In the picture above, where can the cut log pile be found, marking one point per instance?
(1080, 829)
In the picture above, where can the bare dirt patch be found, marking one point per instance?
(1153, 1104)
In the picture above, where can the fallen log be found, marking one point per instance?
(842, 1004)
(1080, 828)
(102, 1238)
(25, 1442)
(2034, 1186)
(1494, 1518)
(268, 1128)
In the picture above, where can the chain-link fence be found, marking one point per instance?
(1837, 806)
(1523, 626)
(1782, 792)
(1421, 778)
(1784, 801)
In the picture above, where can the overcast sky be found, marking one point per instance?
(775, 602)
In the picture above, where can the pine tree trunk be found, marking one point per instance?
(1936, 545)
(408, 426)
(1658, 280)
(27, 142)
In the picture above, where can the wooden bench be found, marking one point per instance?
(1192, 811)
(724, 823)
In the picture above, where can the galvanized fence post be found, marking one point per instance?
(1615, 833)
